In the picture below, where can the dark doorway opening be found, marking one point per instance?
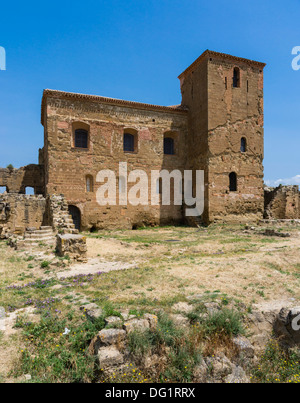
(76, 216)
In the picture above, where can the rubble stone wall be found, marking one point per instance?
(17, 212)
(282, 203)
(16, 180)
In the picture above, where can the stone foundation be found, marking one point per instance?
(17, 212)
(72, 245)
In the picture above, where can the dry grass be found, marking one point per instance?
(170, 264)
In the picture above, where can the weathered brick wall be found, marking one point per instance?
(16, 180)
(67, 167)
(282, 203)
(220, 116)
(17, 212)
(195, 96)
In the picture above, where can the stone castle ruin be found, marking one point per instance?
(218, 128)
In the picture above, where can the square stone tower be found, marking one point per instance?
(224, 95)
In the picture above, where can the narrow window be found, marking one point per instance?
(81, 138)
(243, 145)
(89, 184)
(247, 85)
(169, 146)
(236, 77)
(225, 83)
(128, 143)
(233, 182)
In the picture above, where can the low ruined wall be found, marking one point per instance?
(73, 246)
(282, 203)
(17, 212)
(16, 180)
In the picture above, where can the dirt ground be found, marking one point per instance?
(156, 267)
(251, 267)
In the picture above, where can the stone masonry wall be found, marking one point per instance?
(16, 180)
(235, 113)
(67, 167)
(282, 203)
(219, 117)
(17, 212)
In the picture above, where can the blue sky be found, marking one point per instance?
(134, 50)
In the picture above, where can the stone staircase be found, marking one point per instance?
(60, 217)
(44, 236)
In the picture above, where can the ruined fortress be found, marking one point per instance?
(218, 128)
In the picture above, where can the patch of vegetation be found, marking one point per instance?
(51, 356)
(277, 365)
(179, 353)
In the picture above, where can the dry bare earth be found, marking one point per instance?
(157, 267)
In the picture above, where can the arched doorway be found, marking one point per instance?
(76, 216)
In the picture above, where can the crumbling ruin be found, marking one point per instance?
(282, 203)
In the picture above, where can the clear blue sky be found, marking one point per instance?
(134, 50)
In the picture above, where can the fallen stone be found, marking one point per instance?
(238, 376)
(113, 320)
(212, 307)
(261, 326)
(200, 374)
(272, 232)
(152, 319)
(244, 346)
(109, 357)
(182, 307)
(126, 316)
(107, 337)
(180, 320)
(140, 325)
(152, 360)
(220, 367)
(92, 311)
(111, 336)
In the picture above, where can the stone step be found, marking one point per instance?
(37, 244)
(37, 233)
(69, 221)
(46, 228)
(35, 238)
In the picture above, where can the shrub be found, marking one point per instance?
(180, 352)
(227, 322)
